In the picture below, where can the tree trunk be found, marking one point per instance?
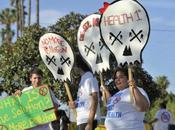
(22, 17)
(17, 18)
(29, 12)
(37, 12)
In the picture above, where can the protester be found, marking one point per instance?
(124, 110)
(163, 118)
(87, 103)
(36, 78)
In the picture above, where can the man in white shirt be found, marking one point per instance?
(35, 79)
(163, 118)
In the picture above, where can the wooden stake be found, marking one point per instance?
(130, 76)
(69, 96)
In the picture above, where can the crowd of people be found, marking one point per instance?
(125, 111)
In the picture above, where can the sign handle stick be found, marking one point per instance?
(130, 76)
(69, 96)
(103, 92)
(68, 92)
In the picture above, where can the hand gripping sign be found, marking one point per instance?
(125, 28)
(32, 108)
(58, 57)
(90, 44)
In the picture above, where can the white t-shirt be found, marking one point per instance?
(46, 126)
(88, 84)
(122, 114)
(164, 119)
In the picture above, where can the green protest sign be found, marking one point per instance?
(32, 108)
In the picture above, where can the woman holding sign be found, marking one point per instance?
(124, 112)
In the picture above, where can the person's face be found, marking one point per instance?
(121, 80)
(35, 80)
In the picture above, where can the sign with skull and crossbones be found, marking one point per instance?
(125, 28)
(57, 55)
(90, 44)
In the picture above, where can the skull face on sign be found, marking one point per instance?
(90, 45)
(124, 26)
(57, 55)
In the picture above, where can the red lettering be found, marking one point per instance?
(128, 17)
(81, 38)
(86, 26)
(95, 22)
(137, 14)
(54, 40)
(51, 49)
(121, 19)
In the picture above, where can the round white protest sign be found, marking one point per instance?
(57, 55)
(125, 27)
(90, 45)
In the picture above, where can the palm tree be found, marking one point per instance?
(29, 12)
(37, 12)
(2, 34)
(7, 18)
(20, 15)
(15, 4)
(163, 83)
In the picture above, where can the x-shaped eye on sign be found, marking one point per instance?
(89, 49)
(63, 60)
(51, 60)
(136, 35)
(116, 37)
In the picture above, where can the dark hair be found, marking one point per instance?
(80, 63)
(163, 105)
(123, 70)
(35, 71)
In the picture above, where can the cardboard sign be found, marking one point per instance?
(32, 108)
(57, 55)
(125, 28)
(90, 45)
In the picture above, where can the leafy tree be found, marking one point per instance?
(163, 83)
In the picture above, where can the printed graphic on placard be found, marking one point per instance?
(32, 108)
(90, 44)
(125, 28)
(57, 55)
